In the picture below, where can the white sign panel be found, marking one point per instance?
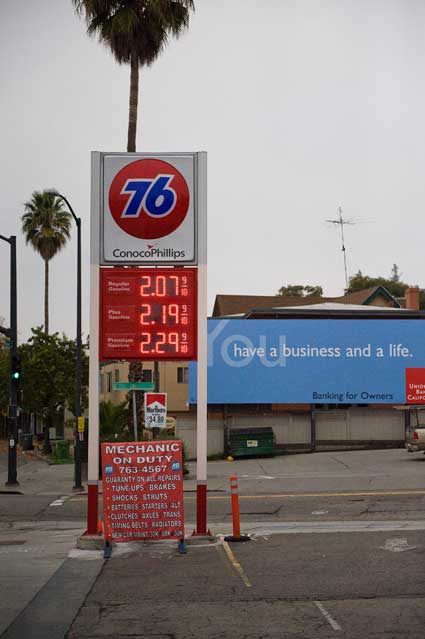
(155, 410)
(148, 208)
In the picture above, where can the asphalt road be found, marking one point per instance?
(352, 585)
(338, 550)
(363, 485)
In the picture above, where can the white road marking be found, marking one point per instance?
(256, 477)
(320, 512)
(397, 545)
(60, 501)
(331, 621)
(296, 527)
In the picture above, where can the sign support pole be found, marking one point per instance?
(195, 175)
(201, 407)
(93, 435)
(136, 436)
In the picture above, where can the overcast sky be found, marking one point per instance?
(302, 105)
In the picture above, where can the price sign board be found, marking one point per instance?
(155, 410)
(148, 314)
(143, 490)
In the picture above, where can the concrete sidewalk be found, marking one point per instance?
(36, 476)
(391, 469)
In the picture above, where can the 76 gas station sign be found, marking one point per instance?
(148, 209)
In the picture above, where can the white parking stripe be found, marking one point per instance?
(335, 626)
(59, 502)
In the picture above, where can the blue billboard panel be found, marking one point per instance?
(310, 361)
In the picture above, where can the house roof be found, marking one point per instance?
(226, 305)
(335, 306)
(333, 310)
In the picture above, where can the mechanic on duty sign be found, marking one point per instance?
(148, 209)
(142, 490)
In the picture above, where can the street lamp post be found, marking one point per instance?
(12, 333)
(77, 410)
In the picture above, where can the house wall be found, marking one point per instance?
(171, 381)
(380, 300)
(186, 430)
(358, 424)
(177, 391)
(353, 427)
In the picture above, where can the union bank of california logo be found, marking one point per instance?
(149, 199)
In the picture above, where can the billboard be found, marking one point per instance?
(148, 208)
(313, 361)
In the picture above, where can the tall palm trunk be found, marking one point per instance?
(46, 296)
(132, 108)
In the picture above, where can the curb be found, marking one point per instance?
(90, 542)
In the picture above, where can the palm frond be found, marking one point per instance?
(45, 224)
(135, 28)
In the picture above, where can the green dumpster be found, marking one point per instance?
(249, 442)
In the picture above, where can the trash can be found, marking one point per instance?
(250, 442)
(62, 449)
(25, 441)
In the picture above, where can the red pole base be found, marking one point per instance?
(201, 510)
(92, 509)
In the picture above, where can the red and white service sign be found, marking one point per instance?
(143, 490)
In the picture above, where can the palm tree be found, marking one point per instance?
(47, 227)
(136, 31)
(113, 419)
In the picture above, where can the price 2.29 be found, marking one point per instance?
(162, 342)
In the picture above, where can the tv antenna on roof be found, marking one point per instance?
(341, 222)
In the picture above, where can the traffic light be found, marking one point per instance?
(15, 373)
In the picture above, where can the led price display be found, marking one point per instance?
(148, 313)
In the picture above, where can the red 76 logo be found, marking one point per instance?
(155, 196)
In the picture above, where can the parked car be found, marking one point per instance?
(415, 433)
(415, 439)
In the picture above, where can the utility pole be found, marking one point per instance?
(341, 222)
(78, 359)
(78, 365)
(14, 367)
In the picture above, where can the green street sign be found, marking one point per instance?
(146, 386)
